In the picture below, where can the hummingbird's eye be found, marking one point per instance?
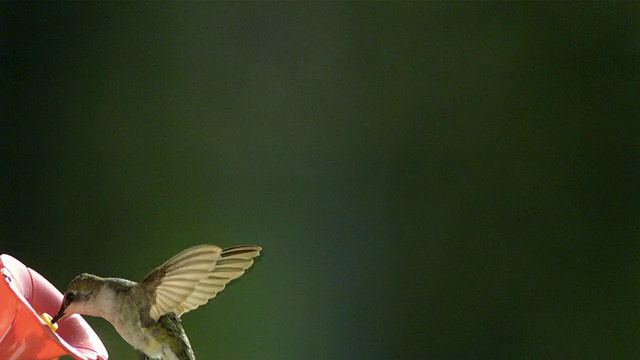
(70, 296)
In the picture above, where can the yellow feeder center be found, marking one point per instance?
(47, 320)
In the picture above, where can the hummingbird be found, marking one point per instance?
(147, 314)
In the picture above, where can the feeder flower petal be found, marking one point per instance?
(26, 296)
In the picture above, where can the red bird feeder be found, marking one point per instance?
(25, 334)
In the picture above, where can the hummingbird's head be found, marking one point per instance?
(79, 298)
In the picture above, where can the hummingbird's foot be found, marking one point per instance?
(142, 356)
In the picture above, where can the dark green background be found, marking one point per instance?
(427, 180)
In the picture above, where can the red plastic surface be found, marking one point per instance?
(24, 295)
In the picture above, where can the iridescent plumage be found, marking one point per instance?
(147, 314)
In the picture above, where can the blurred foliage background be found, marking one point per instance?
(428, 180)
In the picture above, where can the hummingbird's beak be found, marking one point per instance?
(59, 315)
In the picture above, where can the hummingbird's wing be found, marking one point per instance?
(194, 276)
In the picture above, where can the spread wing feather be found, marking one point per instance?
(195, 276)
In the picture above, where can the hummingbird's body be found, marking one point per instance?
(130, 317)
(147, 314)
